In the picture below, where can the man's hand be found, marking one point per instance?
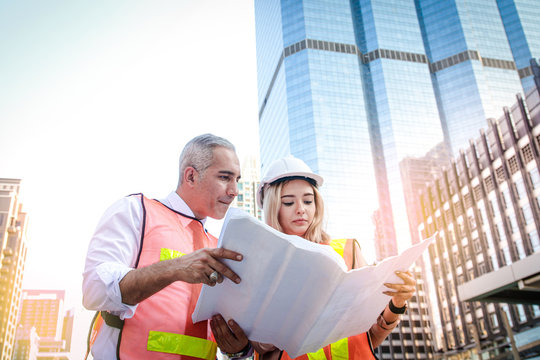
(196, 267)
(193, 268)
(230, 338)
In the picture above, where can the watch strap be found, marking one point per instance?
(397, 310)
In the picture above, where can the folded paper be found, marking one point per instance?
(296, 294)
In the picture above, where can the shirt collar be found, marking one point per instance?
(175, 202)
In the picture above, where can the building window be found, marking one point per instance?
(535, 241)
(505, 254)
(481, 268)
(520, 249)
(472, 222)
(494, 321)
(520, 188)
(476, 244)
(504, 197)
(521, 313)
(512, 162)
(536, 311)
(489, 183)
(512, 222)
(535, 177)
(500, 175)
(527, 214)
(527, 153)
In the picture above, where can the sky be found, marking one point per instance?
(98, 98)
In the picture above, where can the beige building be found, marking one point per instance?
(44, 328)
(484, 265)
(13, 223)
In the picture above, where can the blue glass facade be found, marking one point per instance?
(520, 18)
(314, 108)
(355, 86)
(472, 64)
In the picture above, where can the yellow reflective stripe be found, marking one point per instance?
(181, 345)
(168, 254)
(338, 245)
(340, 349)
(319, 355)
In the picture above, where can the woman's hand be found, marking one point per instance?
(230, 338)
(402, 292)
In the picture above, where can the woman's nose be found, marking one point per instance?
(300, 209)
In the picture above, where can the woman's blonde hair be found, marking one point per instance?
(272, 204)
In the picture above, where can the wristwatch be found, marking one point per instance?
(396, 310)
(245, 352)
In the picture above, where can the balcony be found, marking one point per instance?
(518, 283)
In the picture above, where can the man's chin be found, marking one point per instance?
(220, 214)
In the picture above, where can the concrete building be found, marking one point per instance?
(13, 248)
(484, 269)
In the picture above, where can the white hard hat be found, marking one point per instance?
(286, 167)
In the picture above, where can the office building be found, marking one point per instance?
(42, 313)
(484, 268)
(359, 88)
(355, 87)
(13, 248)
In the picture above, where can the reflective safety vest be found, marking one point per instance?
(162, 327)
(349, 249)
(357, 347)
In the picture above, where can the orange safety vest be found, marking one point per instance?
(349, 249)
(162, 327)
(357, 347)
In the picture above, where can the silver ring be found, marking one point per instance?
(213, 277)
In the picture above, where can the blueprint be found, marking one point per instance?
(296, 294)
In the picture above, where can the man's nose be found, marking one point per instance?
(233, 189)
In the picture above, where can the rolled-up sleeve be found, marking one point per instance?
(112, 253)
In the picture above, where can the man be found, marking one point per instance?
(148, 259)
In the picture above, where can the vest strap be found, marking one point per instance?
(318, 355)
(169, 254)
(181, 345)
(112, 320)
(340, 349)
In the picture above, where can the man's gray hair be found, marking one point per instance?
(198, 152)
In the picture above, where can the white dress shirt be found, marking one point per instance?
(112, 253)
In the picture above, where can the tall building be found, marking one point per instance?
(484, 268)
(362, 90)
(471, 60)
(42, 313)
(354, 87)
(416, 173)
(13, 224)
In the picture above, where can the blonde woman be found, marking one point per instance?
(292, 204)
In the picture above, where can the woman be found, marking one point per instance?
(292, 204)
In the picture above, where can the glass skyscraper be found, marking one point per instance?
(354, 87)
